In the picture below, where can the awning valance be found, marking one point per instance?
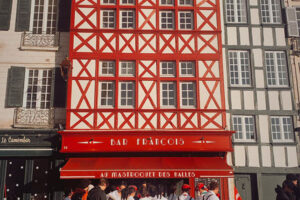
(145, 167)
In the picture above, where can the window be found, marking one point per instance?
(108, 19)
(276, 68)
(239, 68)
(127, 19)
(127, 94)
(186, 20)
(282, 129)
(107, 68)
(167, 20)
(44, 16)
(244, 127)
(167, 2)
(270, 11)
(127, 68)
(186, 2)
(108, 2)
(168, 68)
(188, 94)
(187, 68)
(236, 11)
(168, 94)
(128, 2)
(298, 17)
(107, 96)
(38, 89)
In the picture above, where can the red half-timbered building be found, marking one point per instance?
(146, 76)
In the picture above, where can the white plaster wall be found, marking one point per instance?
(232, 33)
(253, 156)
(254, 15)
(258, 55)
(236, 99)
(274, 100)
(279, 37)
(266, 156)
(11, 55)
(261, 100)
(240, 156)
(279, 156)
(249, 100)
(256, 36)
(268, 36)
(286, 100)
(244, 35)
(264, 128)
(259, 78)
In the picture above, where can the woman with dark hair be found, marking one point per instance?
(117, 194)
(161, 192)
(173, 195)
(128, 193)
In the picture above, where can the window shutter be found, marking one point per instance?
(5, 11)
(23, 15)
(60, 90)
(15, 87)
(292, 25)
(64, 15)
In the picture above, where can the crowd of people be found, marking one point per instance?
(87, 191)
(290, 189)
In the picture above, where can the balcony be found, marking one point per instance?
(42, 42)
(33, 118)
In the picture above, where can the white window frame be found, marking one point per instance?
(106, 98)
(127, 68)
(185, 18)
(121, 2)
(236, 11)
(242, 128)
(127, 23)
(270, 18)
(167, 23)
(127, 96)
(109, 23)
(279, 81)
(108, 62)
(193, 74)
(168, 94)
(282, 133)
(170, 65)
(193, 92)
(109, 3)
(241, 61)
(185, 3)
(167, 4)
(39, 88)
(45, 18)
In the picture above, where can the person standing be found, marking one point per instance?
(172, 195)
(201, 190)
(117, 194)
(129, 193)
(185, 193)
(213, 191)
(286, 191)
(98, 192)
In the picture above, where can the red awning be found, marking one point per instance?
(145, 167)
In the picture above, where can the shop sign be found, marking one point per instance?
(92, 142)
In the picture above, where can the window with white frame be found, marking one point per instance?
(167, 19)
(282, 129)
(276, 67)
(298, 17)
(270, 11)
(127, 19)
(244, 127)
(44, 16)
(127, 94)
(107, 68)
(127, 68)
(167, 2)
(188, 94)
(168, 94)
(168, 68)
(239, 68)
(128, 2)
(236, 11)
(107, 94)
(109, 2)
(187, 68)
(186, 2)
(108, 19)
(37, 94)
(186, 20)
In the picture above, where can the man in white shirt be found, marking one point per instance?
(213, 191)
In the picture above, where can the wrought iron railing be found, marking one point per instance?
(33, 118)
(39, 40)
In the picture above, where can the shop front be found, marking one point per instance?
(157, 158)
